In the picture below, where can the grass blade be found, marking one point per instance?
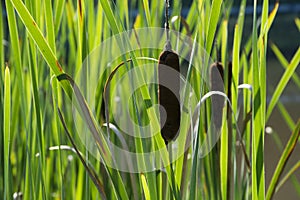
(110, 16)
(283, 82)
(283, 160)
(1, 101)
(257, 169)
(283, 61)
(234, 100)
(40, 40)
(147, 12)
(286, 116)
(235, 69)
(90, 172)
(288, 175)
(39, 129)
(59, 8)
(2, 40)
(7, 115)
(224, 151)
(50, 25)
(145, 187)
(97, 136)
(37, 36)
(224, 160)
(297, 22)
(212, 24)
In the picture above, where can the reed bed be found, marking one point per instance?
(46, 42)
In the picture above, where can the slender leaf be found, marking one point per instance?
(288, 175)
(212, 23)
(297, 22)
(284, 62)
(283, 161)
(145, 187)
(147, 12)
(283, 82)
(6, 137)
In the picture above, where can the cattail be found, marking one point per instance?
(217, 81)
(215, 76)
(168, 99)
(216, 84)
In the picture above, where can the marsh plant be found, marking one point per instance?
(135, 100)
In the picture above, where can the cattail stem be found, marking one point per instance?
(167, 26)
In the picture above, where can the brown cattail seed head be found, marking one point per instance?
(168, 99)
